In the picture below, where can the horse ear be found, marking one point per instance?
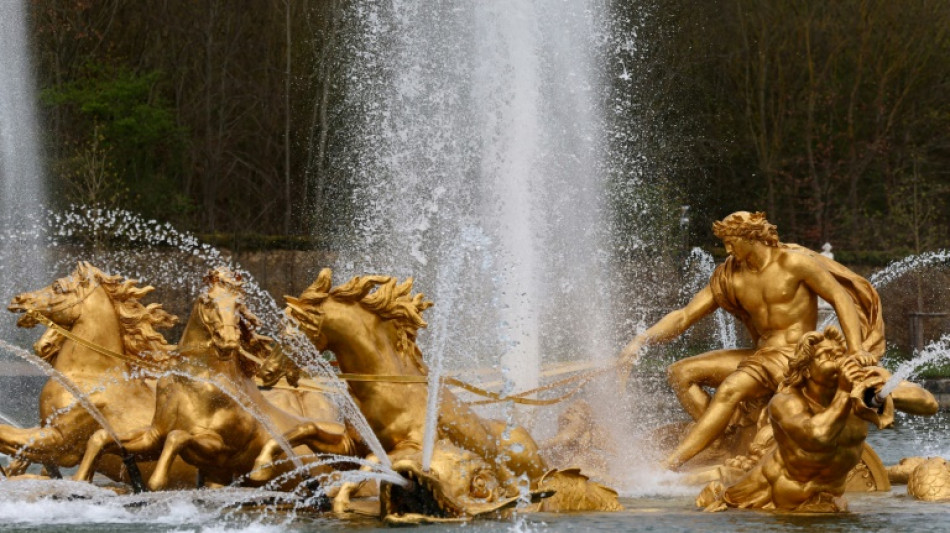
(83, 272)
(324, 281)
(320, 287)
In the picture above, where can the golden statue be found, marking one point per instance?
(106, 311)
(580, 442)
(773, 288)
(900, 473)
(927, 478)
(370, 324)
(198, 415)
(819, 423)
(459, 485)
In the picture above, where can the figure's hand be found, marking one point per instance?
(855, 365)
(863, 357)
(851, 371)
(877, 372)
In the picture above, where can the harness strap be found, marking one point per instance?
(91, 345)
(312, 384)
(148, 364)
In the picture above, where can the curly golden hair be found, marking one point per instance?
(805, 353)
(138, 322)
(752, 226)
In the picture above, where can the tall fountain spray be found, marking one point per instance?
(23, 194)
(478, 128)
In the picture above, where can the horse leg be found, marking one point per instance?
(36, 445)
(143, 444)
(320, 437)
(341, 501)
(208, 444)
(175, 441)
(17, 467)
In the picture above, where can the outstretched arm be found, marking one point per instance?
(671, 326)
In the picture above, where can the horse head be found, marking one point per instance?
(365, 305)
(278, 365)
(60, 302)
(219, 310)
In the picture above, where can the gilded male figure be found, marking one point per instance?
(773, 288)
(819, 422)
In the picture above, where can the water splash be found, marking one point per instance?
(5, 419)
(148, 259)
(935, 351)
(487, 114)
(470, 239)
(703, 264)
(66, 383)
(895, 270)
(22, 186)
(910, 263)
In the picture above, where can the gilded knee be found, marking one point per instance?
(729, 393)
(676, 375)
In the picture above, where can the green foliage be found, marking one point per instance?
(131, 135)
(132, 112)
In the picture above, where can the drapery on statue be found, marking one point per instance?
(772, 287)
(819, 422)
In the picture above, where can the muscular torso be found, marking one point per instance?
(798, 471)
(780, 305)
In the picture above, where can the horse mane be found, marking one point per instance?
(137, 322)
(385, 297)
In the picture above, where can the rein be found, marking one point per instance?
(148, 365)
(311, 384)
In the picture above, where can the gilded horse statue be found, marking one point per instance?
(370, 324)
(106, 311)
(204, 407)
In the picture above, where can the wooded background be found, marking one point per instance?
(834, 117)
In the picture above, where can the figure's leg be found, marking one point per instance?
(737, 387)
(688, 376)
